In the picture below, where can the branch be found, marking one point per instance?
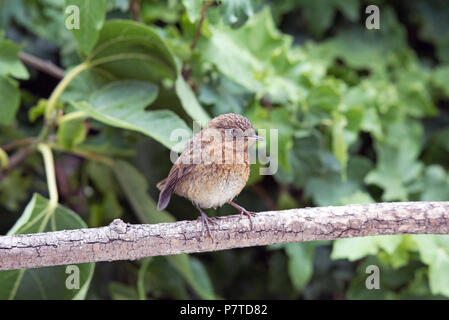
(135, 9)
(19, 143)
(121, 241)
(200, 25)
(42, 65)
(16, 159)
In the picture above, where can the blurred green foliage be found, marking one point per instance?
(362, 117)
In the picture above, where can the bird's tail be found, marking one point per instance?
(165, 194)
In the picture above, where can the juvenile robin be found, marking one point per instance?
(213, 167)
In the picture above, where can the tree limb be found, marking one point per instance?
(121, 241)
(16, 159)
(42, 65)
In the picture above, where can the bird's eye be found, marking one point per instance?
(235, 132)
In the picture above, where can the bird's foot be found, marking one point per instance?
(206, 220)
(249, 214)
(244, 212)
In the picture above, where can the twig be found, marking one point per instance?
(19, 143)
(135, 9)
(42, 65)
(121, 241)
(186, 73)
(200, 24)
(16, 159)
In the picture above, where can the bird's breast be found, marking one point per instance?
(212, 185)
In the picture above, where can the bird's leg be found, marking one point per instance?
(243, 211)
(205, 219)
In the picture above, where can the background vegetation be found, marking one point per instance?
(363, 116)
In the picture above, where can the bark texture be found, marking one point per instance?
(121, 241)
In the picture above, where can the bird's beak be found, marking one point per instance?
(257, 138)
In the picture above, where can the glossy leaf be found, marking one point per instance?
(190, 103)
(50, 282)
(10, 94)
(130, 50)
(122, 104)
(91, 18)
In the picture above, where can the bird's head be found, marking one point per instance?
(234, 127)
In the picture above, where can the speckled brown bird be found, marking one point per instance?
(213, 167)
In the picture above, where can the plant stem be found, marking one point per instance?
(135, 9)
(4, 160)
(19, 143)
(84, 154)
(72, 116)
(16, 159)
(70, 75)
(42, 65)
(200, 24)
(141, 278)
(50, 173)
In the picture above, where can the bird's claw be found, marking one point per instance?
(206, 220)
(249, 214)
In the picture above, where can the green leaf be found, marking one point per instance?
(319, 15)
(102, 177)
(440, 77)
(10, 65)
(44, 283)
(433, 19)
(14, 189)
(135, 188)
(193, 9)
(141, 277)
(308, 159)
(349, 8)
(122, 104)
(10, 95)
(359, 47)
(300, 263)
(37, 110)
(72, 133)
(189, 102)
(167, 11)
(357, 248)
(91, 18)
(434, 251)
(434, 185)
(226, 96)
(4, 160)
(331, 190)
(200, 280)
(396, 168)
(119, 291)
(438, 278)
(414, 94)
(162, 280)
(326, 96)
(258, 57)
(278, 120)
(339, 145)
(85, 84)
(131, 50)
(236, 12)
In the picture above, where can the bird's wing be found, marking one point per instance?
(177, 173)
(192, 155)
(181, 168)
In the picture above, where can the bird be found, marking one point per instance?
(213, 168)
